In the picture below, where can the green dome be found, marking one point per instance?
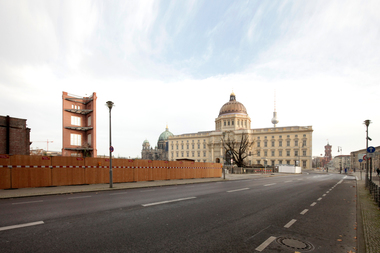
(146, 141)
(165, 135)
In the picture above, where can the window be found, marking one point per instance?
(280, 136)
(288, 136)
(187, 146)
(89, 121)
(204, 153)
(272, 137)
(232, 122)
(228, 122)
(288, 162)
(199, 146)
(295, 152)
(192, 146)
(304, 143)
(280, 153)
(265, 153)
(224, 123)
(304, 152)
(272, 161)
(204, 145)
(280, 143)
(258, 161)
(265, 137)
(265, 144)
(272, 143)
(75, 121)
(187, 153)
(295, 143)
(280, 161)
(89, 139)
(172, 146)
(304, 135)
(296, 135)
(192, 153)
(272, 153)
(177, 146)
(172, 154)
(288, 143)
(287, 152)
(303, 163)
(258, 138)
(258, 153)
(199, 153)
(182, 153)
(75, 139)
(177, 153)
(258, 144)
(182, 146)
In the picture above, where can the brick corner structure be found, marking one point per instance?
(14, 136)
(79, 125)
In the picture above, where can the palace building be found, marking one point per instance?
(272, 146)
(160, 152)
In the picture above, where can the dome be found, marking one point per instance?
(146, 142)
(165, 135)
(233, 107)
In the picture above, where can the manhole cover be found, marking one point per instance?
(294, 243)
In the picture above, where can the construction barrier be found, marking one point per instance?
(22, 171)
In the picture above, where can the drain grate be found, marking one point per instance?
(294, 243)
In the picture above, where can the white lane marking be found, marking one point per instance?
(269, 184)
(243, 189)
(168, 201)
(266, 243)
(118, 193)
(319, 199)
(170, 188)
(147, 191)
(313, 204)
(290, 223)
(304, 211)
(288, 181)
(327, 191)
(300, 179)
(81, 197)
(22, 225)
(28, 202)
(324, 195)
(191, 186)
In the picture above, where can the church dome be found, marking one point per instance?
(165, 135)
(145, 142)
(233, 107)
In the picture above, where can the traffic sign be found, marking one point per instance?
(111, 149)
(371, 149)
(360, 160)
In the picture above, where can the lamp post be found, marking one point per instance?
(110, 105)
(366, 123)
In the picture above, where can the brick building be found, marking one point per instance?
(78, 125)
(14, 136)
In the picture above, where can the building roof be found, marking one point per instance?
(233, 107)
(165, 135)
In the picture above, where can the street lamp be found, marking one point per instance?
(366, 123)
(110, 105)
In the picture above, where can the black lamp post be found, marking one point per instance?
(110, 105)
(366, 123)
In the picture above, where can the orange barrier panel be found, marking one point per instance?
(30, 171)
(97, 170)
(5, 172)
(67, 170)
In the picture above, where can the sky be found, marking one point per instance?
(176, 63)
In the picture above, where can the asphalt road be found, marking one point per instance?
(304, 213)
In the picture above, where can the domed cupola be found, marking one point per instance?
(165, 135)
(233, 107)
(232, 116)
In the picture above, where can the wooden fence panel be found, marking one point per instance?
(5, 172)
(97, 170)
(67, 170)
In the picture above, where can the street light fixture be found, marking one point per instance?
(110, 105)
(366, 123)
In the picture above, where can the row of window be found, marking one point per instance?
(296, 153)
(280, 143)
(188, 145)
(182, 153)
(232, 122)
(76, 121)
(288, 136)
(76, 139)
(288, 162)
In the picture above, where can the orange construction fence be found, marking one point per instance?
(23, 171)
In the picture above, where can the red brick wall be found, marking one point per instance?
(19, 136)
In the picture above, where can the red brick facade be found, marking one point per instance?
(14, 136)
(78, 125)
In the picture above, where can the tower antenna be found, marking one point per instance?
(274, 119)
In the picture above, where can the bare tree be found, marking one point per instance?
(236, 148)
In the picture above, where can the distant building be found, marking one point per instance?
(272, 146)
(14, 136)
(328, 156)
(356, 155)
(342, 162)
(160, 152)
(79, 125)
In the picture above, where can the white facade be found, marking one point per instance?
(272, 146)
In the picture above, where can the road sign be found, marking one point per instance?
(111, 149)
(365, 158)
(370, 155)
(360, 160)
(371, 149)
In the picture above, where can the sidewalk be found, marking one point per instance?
(368, 218)
(55, 190)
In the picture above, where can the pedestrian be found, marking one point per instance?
(378, 172)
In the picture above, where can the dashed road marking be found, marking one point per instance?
(28, 202)
(324, 195)
(269, 184)
(168, 201)
(319, 199)
(290, 223)
(22, 225)
(313, 204)
(118, 193)
(304, 211)
(266, 243)
(147, 190)
(81, 197)
(243, 189)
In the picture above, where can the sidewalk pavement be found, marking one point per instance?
(55, 190)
